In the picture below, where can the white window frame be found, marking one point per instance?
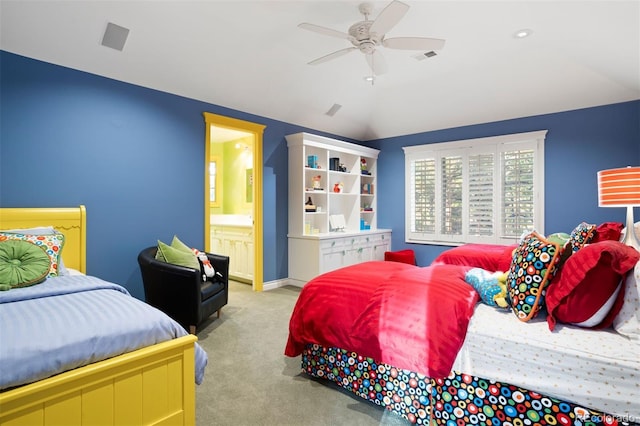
(496, 145)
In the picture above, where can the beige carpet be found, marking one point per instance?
(249, 381)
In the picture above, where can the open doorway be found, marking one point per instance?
(233, 195)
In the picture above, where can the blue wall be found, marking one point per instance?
(134, 157)
(578, 144)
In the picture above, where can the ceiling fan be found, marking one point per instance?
(366, 36)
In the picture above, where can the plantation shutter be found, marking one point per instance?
(517, 192)
(423, 204)
(487, 190)
(481, 194)
(451, 193)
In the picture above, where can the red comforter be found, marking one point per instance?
(414, 318)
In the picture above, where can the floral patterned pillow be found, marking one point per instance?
(534, 264)
(52, 245)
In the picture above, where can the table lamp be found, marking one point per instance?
(621, 188)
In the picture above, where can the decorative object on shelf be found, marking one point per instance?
(337, 223)
(309, 229)
(367, 189)
(309, 207)
(363, 166)
(312, 161)
(334, 163)
(342, 168)
(316, 183)
(338, 187)
(621, 188)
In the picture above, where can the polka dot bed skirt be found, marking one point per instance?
(457, 400)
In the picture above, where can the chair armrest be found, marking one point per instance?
(220, 264)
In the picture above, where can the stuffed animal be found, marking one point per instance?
(501, 298)
(207, 268)
(491, 286)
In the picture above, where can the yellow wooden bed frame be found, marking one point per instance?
(151, 386)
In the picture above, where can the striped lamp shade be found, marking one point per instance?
(619, 187)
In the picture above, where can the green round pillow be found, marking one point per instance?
(22, 264)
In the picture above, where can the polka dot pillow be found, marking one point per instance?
(534, 264)
(52, 245)
(581, 235)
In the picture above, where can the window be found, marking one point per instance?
(487, 190)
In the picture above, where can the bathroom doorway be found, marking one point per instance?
(233, 195)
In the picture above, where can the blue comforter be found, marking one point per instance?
(71, 321)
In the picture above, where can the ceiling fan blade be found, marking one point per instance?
(377, 63)
(333, 55)
(324, 30)
(413, 43)
(389, 17)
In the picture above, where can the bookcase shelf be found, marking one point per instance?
(331, 182)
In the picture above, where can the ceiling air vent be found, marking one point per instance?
(115, 36)
(425, 55)
(332, 111)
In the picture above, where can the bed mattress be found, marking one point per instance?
(75, 320)
(598, 369)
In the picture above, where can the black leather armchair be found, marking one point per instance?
(180, 292)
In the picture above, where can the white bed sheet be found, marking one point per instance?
(595, 369)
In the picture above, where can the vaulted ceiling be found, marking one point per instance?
(252, 56)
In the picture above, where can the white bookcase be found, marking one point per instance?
(339, 228)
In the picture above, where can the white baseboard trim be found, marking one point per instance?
(271, 285)
(296, 283)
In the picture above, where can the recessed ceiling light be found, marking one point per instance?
(523, 33)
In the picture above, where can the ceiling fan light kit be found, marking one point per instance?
(366, 36)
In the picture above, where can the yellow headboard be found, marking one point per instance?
(71, 221)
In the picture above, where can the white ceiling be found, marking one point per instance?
(251, 56)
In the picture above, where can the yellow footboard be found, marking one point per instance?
(151, 386)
